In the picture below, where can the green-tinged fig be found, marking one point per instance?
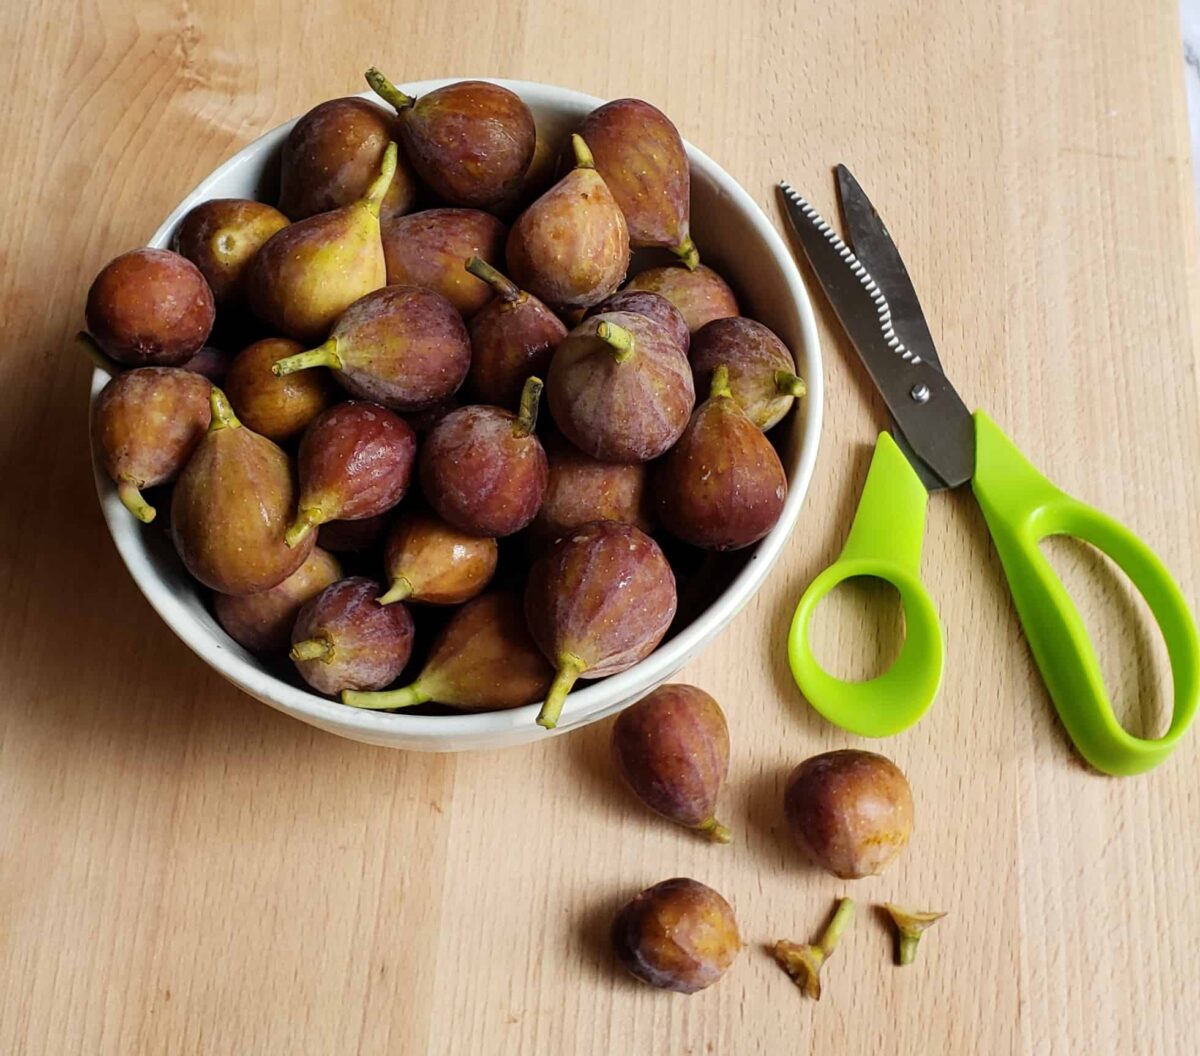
(571, 247)
(432, 562)
(598, 601)
(640, 154)
(277, 407)
(309, 273)
(483, 469)
(803, 962)
(910, 926)
(221, 237)
(352, 537)
(620, 388)
(722, 487)
(677, 935)
(428, 249)
(700, 295)
(512, 337)
(344, 639)
(263, 622)
(355, 461)
(231, 507)
(762, 372)
(484, 660)
(401, 346)
(654, 305)
(150, 307)
(672, 749)
(332, 155)
(850, 811)
(470, 141)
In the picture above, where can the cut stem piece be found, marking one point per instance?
(501, 285)
(313, 649)
(910, 924)
(789, 384)
(527, 415)
(387, 91)
(570, 667)
(406, 697)
(617, 338)
(804, 962)
(222, 412)
(131, 497)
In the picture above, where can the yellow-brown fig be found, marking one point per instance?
(277, 407)
(432, 562)
(221, 237)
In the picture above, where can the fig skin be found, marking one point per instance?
(598, 601)
(428, 249)
(850, 811)
(150, 307)
(722, 487)
(221, 237)
(276, 407)
(624, 399)
(263, 622)
(332, 155)
(401, 346)
(640, 154)
(231, 506)
(355, 461)
(677, 935)
(484, 660)
(762, 372)
(654, 306)
(432, 562)
(352, 537)
(672, 749)
(145, 425)
(701, 295)
(344, 639)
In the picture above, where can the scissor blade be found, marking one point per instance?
(934, 420)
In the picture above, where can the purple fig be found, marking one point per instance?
(653, 305)
(762, 372)
(701, 295)
(432, 562)
(277, 407)
(221, 237)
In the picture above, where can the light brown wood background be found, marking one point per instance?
(184, 871)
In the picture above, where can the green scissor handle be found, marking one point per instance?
(884, 543)
(1022, 508)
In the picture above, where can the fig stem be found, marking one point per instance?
(313, 649)
(387, 91)
(570, 667)
(616, 337)
(373, 199)
(719, 387)
(528, 414)
(322, 356)
(840, 922)
(131, 497)
(400, 589)
(583, 153)
(306, 519)
(222, 412)
(804, 962)
(95, 353)
(715, 831)
(687, 252)
(789, 384)
(405, 697)
(910, 924)
(504, 287)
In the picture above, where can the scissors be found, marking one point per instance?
(935, 444)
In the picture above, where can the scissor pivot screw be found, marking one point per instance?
(920, 392)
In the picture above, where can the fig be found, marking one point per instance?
(483, 469)
(910, 926)
(620, 388)
(277, 407)
(150, 307)
(344, 639)
(804, 962)
(672, 749)
(598, 601)
(352, 537)
(221, 237)
(432, 562)
(484, 660)
(850, 811)
(677, 935)
(700, 295)
(653, 305)
(722, 487)
(762, 372)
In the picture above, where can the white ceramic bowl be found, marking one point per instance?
(734, 237)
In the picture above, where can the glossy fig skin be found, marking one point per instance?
(354, 642)
(353, 537)
(677, 935)
(150, 307)
(762, 372)
(333, 153)
(262, 622)
(653, 305)
(430, 561)
(700, 295)
(231, 506)
(850, 811)
(221, 237)
(428, 249)
(640, 154)
(630, 409)
(276, 407)
(672, 749)
(145, 425)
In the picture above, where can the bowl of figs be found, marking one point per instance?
(455, 413)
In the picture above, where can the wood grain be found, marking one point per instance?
(184, 871)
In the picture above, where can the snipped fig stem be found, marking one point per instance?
(313, 649)
(91, 348)
(789, 384)
(131, 497)
(719, 386)
(373, 199)
(400, 589)
(804, 962)
(306, 520)
(387, 91)
(570, 667)
(687, 252)
(616, 337)
(322, 356)
(910, 924)
(527, 415)
(715, 831)
(583, 153)
(504, 287)
(222, 412)
(405, 697)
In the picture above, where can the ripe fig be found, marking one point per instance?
(277, 407)
(432, 562)
(762, 372)
(653, 305)
(701, 295)
(221, 237)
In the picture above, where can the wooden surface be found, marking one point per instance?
(184, 871)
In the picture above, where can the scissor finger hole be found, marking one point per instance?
(857, 629)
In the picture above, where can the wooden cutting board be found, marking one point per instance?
(183, 870)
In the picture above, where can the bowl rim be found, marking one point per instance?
(585, 705)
